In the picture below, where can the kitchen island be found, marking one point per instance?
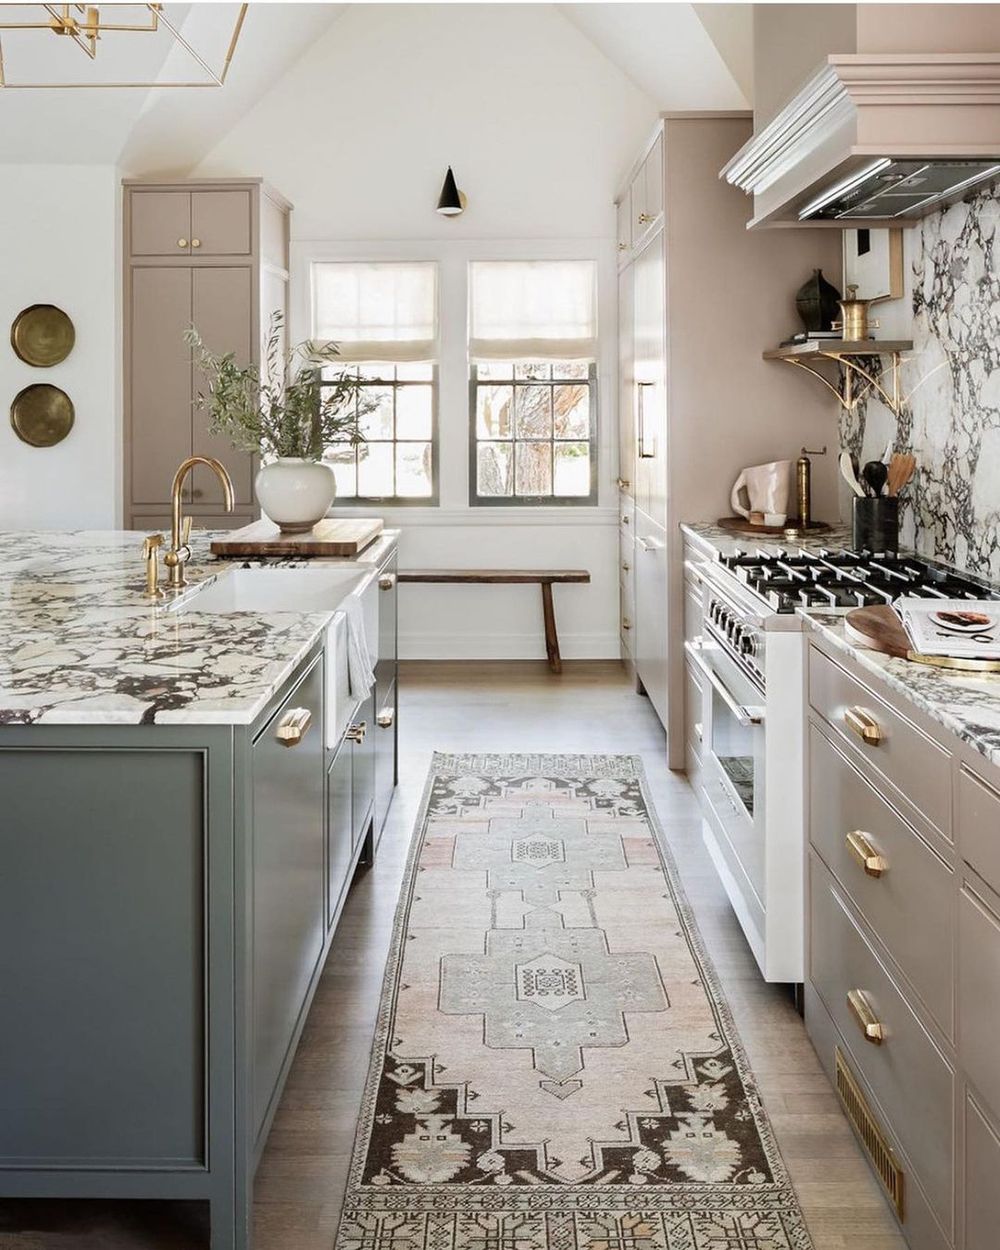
(187, 793)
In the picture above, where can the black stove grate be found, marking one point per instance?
(846, 579)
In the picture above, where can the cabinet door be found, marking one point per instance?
(159, 380)
(649, 389)
(385, 665)
(652, 174)
(288, 880)
(623, 211)
(220, 223)
(651, 612)
(339, 829)
(161, 223)
(982, 1172)
(363, 776)
(222, 315)
(385, 754)
(626, 381)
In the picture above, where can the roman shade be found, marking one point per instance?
(533, 310)
(377, 311)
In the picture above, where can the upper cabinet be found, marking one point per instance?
(213, 255)
(190, 223)
(640, 206)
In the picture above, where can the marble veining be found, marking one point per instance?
(80, 644)
(951, 421)
(726, 543)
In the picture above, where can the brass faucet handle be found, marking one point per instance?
(150, 546)
(186, 532)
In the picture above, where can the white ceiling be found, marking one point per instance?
(669, 50)
(682, 56)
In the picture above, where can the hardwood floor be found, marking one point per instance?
(495, 707)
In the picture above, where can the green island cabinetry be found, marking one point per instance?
(168, 897)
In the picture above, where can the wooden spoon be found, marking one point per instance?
(901, 468)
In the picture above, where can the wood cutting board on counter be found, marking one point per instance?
(345, 537)
(879, 628)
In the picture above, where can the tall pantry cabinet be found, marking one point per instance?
(700, 298)
(212, 254)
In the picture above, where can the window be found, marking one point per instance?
(384, 317)
(533, 347)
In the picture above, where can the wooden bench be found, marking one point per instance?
(508, 577)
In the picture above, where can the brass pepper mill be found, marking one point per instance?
(803, 486)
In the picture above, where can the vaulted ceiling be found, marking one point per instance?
(682, 56)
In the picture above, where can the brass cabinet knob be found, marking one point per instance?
(356, 733)
(625, 520)
(865, 1018)
(182, 242)
(866, 727)
(860, 846)
(645, 219)
(293, 726)
(626, 623)
(626, 567)
(386, 718)
(622, 247)
(623, 483)
(196, 242)
(387, 582)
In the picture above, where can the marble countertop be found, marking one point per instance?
(727, 543)
(80, 643)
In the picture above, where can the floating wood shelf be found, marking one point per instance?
(846, 354)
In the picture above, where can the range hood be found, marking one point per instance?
(875, 138)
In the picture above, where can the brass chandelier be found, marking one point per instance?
(86, 25)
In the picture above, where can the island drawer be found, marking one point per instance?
(979, 990)
(915, 764)
(982, 1170)
(908, 1075)
(904, 890)
(979, 825)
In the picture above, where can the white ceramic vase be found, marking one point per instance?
(295, 493)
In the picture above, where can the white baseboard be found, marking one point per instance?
(479, 646)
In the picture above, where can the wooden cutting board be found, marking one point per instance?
(333, 537)
(879, 628)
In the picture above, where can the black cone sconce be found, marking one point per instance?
(451, 202)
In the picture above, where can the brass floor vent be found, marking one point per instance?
(860, 1114)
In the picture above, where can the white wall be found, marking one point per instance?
(539, 127)
(58, 245)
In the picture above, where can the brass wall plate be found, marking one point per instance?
(42, 415)
(42, 335)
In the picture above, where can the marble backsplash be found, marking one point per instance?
(951, 418)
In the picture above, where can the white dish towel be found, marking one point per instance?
(359, 657)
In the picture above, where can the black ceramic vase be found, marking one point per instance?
(816, 301)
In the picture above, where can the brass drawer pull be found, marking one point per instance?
(386, 718)
(866, 727)
(623, 483)
(865, 1018)
(387, 582)
(356, 733)
(293, 726)
(859, 844)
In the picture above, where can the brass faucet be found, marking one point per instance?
(150, 546)
(180, 531)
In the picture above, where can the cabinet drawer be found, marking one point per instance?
(907, 1073)
(979, 826)
(385, 666)
(693, 709)
(626, 609)
(906, 897)
(918, 768)
(979, 991)
(385, 755)
(339, 830)
(693, 611)
(982, 1170)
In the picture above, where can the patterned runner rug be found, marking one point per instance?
(555, 1067)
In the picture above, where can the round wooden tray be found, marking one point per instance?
(737, 525)
(881, 629)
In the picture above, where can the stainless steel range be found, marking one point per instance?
(751, 656)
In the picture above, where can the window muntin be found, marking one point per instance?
(397, 459)
(534, 433)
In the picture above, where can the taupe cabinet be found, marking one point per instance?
(700, 299)
(213, 255)
(903, 994)
(168, 898)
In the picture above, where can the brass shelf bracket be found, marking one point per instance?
(856, 381)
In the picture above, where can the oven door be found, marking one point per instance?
(733, 762)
